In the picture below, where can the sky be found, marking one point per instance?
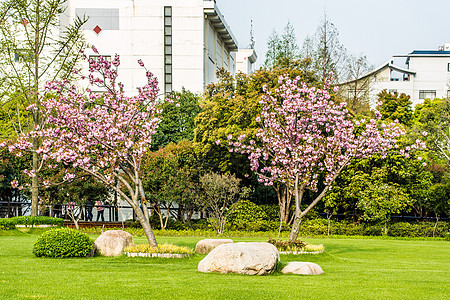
(378, 29)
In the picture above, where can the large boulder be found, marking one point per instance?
(205, 246)
(113, 242)
(302, 268)
(242, 258)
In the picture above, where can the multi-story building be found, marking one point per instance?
(183, 42)
(425, 75)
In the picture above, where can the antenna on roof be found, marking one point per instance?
(252, 40)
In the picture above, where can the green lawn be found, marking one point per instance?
(354, 269)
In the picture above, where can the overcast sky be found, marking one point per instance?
(376, 28)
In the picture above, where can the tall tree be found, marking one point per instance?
(305, 137)
(34, 49)
(326, 51)
(104, 135)
(282, 50)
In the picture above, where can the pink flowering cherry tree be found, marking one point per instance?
(102, 134)
(305, 137)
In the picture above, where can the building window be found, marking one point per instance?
(427, 94)
(168, 49)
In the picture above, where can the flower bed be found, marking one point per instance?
(296, 247)
(159, 255)
(162, 251)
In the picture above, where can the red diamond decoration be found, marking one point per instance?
(24, 22)
(97, 29)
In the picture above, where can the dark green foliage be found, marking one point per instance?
(245, 211)
(246, 215)
(396, 107)
(397, 229)
(177, 119)
(63, 242)
(6, 224)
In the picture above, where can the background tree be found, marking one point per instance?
(170, 176)
(177, 119)
(326, 52)
(379, 200)
(396, 106)
(358, 95)
(34, 49)
(104, 135)
(219, 193)
(282, 51)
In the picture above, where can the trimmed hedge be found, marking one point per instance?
(10, 223)
(63, 242)
(6, 224)
(395, 229)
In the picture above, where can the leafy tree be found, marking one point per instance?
(219, 193)
(103, 135)
(396, 106)
(282, 51)
(439, 201)
(170, 176)
(231, 107)
(379, 200)
(177, 119)
(305, 137)
(31, 54)
(394, 170)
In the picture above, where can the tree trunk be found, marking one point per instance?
(35, 185)
(284, 202)
(145, 225)
(295, 227)
(435, 225)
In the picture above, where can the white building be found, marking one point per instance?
(183, 42)
(424, 75)
(245, 60)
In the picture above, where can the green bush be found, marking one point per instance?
(63, 242)
(245, 211)
(6, 224)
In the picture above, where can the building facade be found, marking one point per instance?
(425, 74)
(183, 42)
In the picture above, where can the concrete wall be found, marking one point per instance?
(140, 35)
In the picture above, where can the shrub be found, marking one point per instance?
(38, 220)
(245, 211)
(63, 242)
(6, 224)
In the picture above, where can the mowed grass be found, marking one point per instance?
(354, 269)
